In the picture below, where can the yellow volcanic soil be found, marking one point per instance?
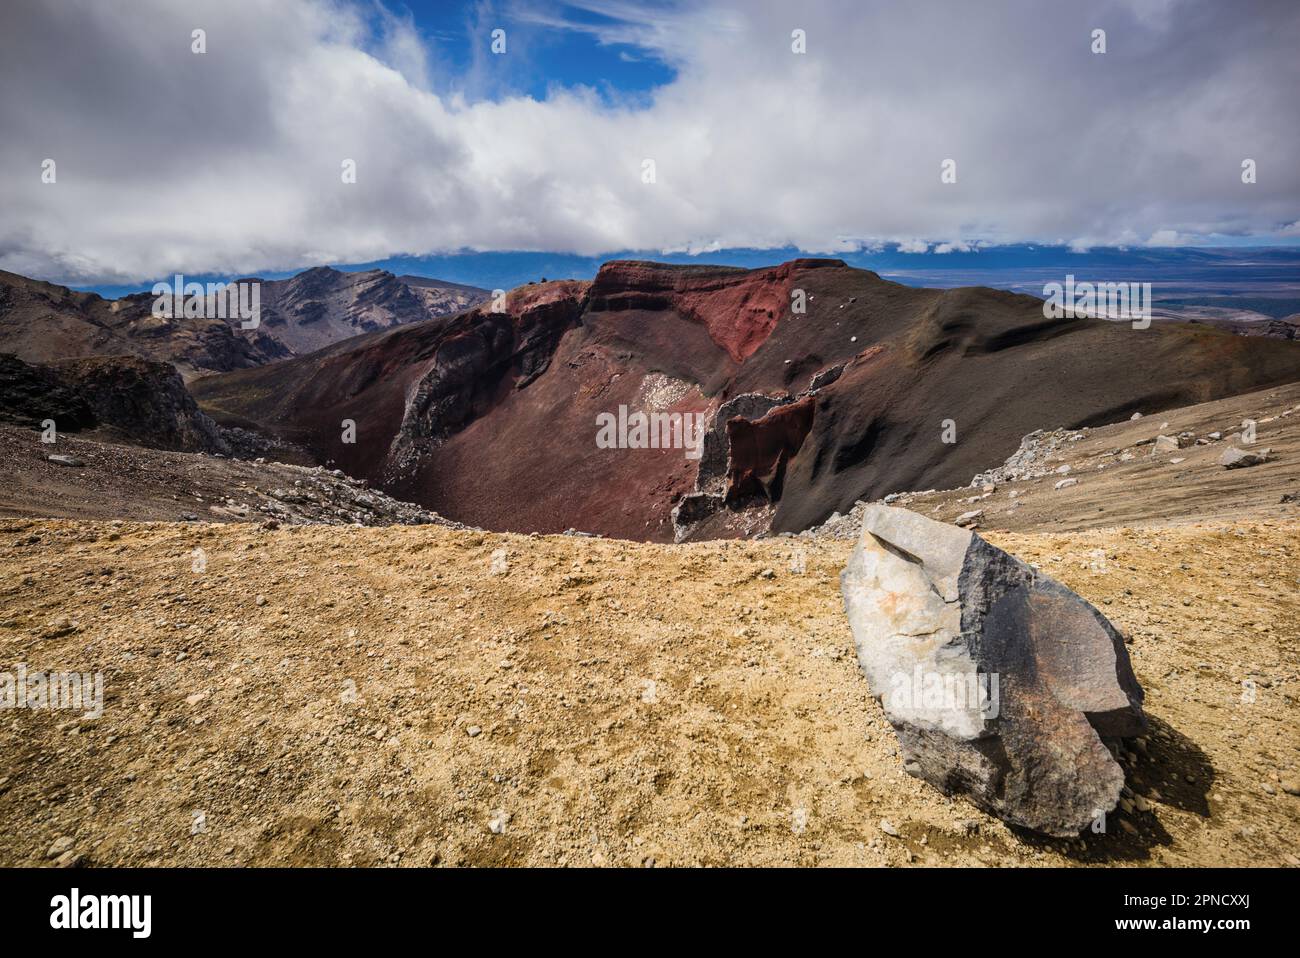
(634, 704)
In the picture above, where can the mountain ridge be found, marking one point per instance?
(489, 418)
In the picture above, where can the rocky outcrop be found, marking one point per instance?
(761, 449)
(32, 395)
(723, 481)
(133, 399)
(144, 402)
(1000, 682)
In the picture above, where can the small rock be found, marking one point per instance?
(61, 460)
(61, 845)
(1066, 483)
(1234, 458)
(473, 731)
(888, 827)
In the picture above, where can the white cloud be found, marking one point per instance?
(229, 162)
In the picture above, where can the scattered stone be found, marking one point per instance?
(888, 827)
(498, 822)
(1234, 458)
(61, 845)
(60, 627)
(1066, 484)
(1291, 786)
(1164, 444)
(61, 460)
(473, 731)
(1136, 415)
(260, 600)
(970, 518)
(943, 621)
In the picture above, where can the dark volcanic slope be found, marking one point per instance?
(491, 419)
(41, 322)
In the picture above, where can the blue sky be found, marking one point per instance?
(549, 46)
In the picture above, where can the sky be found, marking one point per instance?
(232, 161)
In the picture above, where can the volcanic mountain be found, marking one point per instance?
(41, 322)
(491, 418)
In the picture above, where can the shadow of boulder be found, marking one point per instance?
(1163, 768)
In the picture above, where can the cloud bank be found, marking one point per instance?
(229, 162)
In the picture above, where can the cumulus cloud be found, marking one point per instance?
(230, 162)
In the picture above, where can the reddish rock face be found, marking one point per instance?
(761, 449)
(738, 307)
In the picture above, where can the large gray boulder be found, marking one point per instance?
(1000, 682)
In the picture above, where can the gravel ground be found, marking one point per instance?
(317, 695)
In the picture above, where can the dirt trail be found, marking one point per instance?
(321, 696)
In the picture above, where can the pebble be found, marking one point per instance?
(473, 731)
(888, 827)
(61, 845)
